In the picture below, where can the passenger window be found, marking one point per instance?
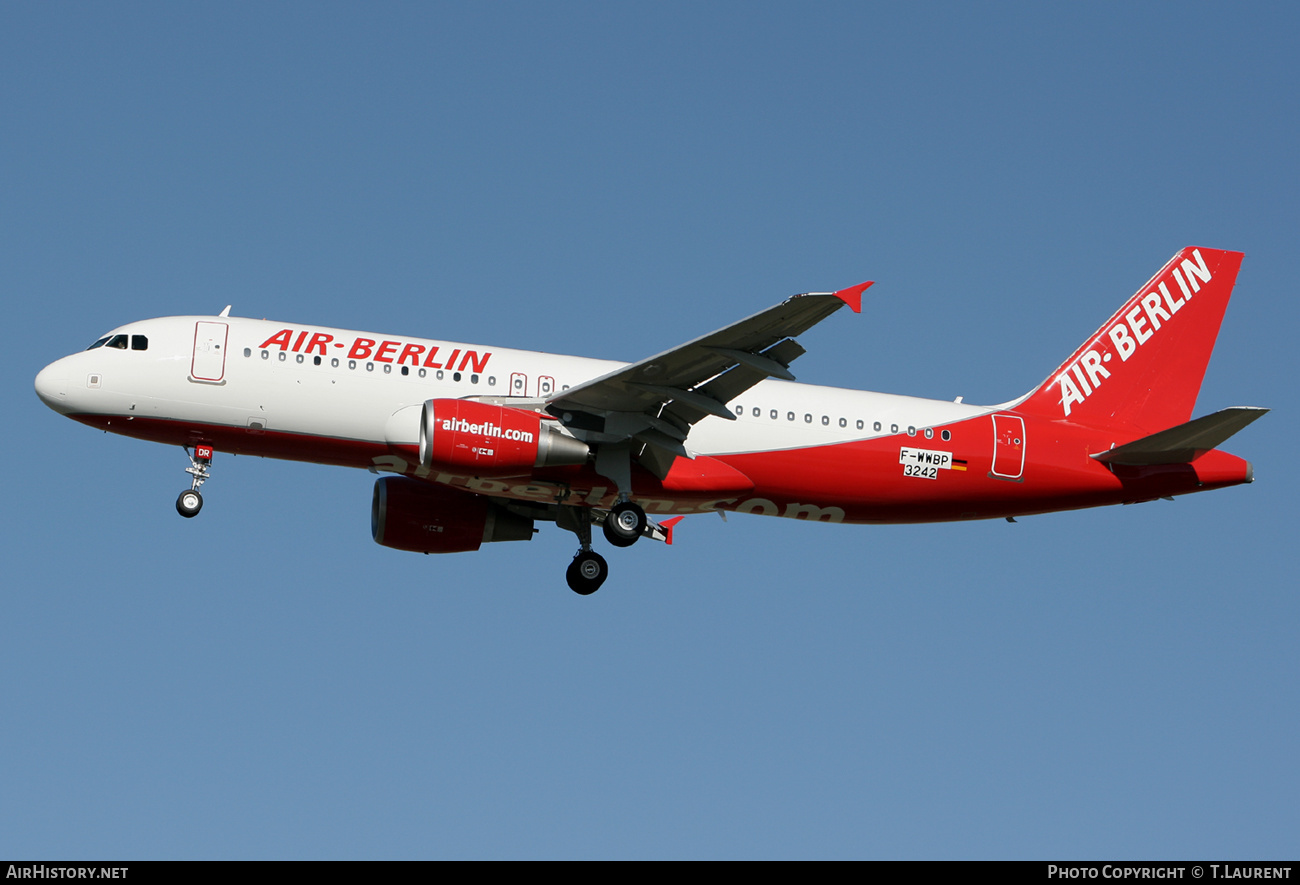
(789, 416)
(248, 351)
(758, 413)
(826, 420)
(844, 422)
(946, 436)
(876, 427)
(139, 342)
(774, 414)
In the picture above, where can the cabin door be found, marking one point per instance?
(209, 363)
(1008, 446)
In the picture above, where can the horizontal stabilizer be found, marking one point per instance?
(1184, 443)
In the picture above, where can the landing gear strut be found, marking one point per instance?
(190, 502)
(588, 570)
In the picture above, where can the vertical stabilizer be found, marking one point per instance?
(1143, 368)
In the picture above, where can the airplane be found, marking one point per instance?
(478, 444)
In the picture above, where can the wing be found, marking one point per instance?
(656, 401)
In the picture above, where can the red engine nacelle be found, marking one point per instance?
(408, 514)
(490, 440)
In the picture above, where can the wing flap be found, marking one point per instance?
(733, 383)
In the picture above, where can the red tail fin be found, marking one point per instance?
(1143, 368)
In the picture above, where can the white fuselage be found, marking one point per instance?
(345, 385)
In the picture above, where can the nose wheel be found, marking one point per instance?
(190, 502)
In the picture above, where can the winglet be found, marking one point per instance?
(667, 526)
(852, 296)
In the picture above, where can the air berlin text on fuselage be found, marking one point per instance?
(424, 355)
(488, 429)
(1135, 328)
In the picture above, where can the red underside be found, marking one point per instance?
(864, 479)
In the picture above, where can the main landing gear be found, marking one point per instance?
(587, 572)
(190, 502)
(622, 526)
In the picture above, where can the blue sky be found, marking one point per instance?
(610, 180)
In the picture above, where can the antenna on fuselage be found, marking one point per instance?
(226, 312)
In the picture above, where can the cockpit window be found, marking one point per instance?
(118, 341)
(100, 343)
(139, 342)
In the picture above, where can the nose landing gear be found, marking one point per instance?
(190, 502)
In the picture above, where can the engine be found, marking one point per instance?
(408, 514)
(490, 440)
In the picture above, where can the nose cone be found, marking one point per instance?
(52, 386)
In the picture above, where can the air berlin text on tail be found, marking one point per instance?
(1134, 328)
